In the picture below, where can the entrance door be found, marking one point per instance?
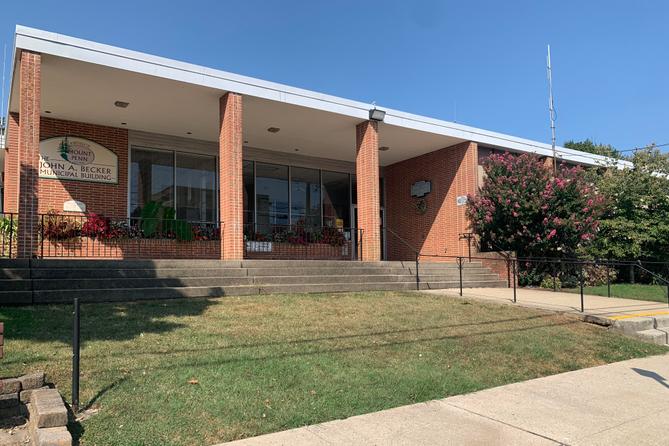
(354, 225)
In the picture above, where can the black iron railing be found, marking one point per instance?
(534, 271)
(95, 235)
(300, 241)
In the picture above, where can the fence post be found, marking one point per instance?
(580, 280)
(11, 234)
(75, 358)
(608, 278)
(514, 280)
(460, 260)
(417, 274)
(632, 273)
(41, 237)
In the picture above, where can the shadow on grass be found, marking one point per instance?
(295, 342)
(318, 351)
(99, 321)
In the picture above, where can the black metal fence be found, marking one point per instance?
(96, 235)
(548, 273)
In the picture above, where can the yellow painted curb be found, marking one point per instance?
(628, 316)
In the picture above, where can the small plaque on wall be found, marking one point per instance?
(74, 206)
(461, 200)
(421, 188)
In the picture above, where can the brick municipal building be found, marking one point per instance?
(115, 154)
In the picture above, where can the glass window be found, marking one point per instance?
(196, 187)
(336, 199)
(305, 196)
(249, 192)
(151, 179)
(271, 194)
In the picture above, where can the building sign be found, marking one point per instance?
(461, 200)
(421, 188)
(72, 158)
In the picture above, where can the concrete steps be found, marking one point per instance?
(653, 329)
(59, 281)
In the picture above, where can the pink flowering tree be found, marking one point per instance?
(521, 207)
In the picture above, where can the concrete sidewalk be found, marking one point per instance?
(626, 403)
(596, 306)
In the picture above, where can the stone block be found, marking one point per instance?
(13, 411)
(26, 395)
(47, 409)
(9, 385)
(9, 400)
(31, 381)
(53, 436)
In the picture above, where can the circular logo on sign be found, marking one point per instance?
(76, 152)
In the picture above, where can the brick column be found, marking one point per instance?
(367, 176)
(230, 177)
(28, 153)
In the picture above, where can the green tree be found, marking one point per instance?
(589, 146)
(635, 224)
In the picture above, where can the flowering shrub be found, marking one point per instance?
(59, 227)
(95, 226)
(333, 237)
(521, 207)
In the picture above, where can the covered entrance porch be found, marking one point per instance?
(251, 169)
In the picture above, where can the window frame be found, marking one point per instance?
(217, 185)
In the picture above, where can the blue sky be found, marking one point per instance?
(480, 63)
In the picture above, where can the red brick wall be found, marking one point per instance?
(101, 198)
(107, 199)
(312, 251)
(452, 172)
(85, 247)
(367, 176)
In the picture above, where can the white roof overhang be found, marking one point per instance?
(82, 79)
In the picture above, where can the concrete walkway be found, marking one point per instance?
(626, 403)
(597, 306)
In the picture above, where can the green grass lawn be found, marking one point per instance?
(655, 293)
(269, 363)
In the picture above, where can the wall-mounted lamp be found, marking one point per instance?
(376, 115)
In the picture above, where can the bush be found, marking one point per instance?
(529, 276)
(59, 227)
(595, 275)
(547, 282)
(522, 207)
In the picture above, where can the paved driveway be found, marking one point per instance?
(625, 403)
